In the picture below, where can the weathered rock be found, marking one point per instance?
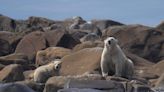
(161, 26)
(90, 37)
(81, 90)
(4, 47)
(67, 41)
(53, 37)
(45, 56)
(160, 82)
(29, 74)
(141, 88)
(157, 68)
(14, 59)
(88, 44)
(57, 82)
(11, 73)
(11, 38)
(153, 50)
(96, 84)
(86, 60)
(33, 85)
(39, 22)
(31, 43)
(14, 87)
(103, 24)
(7, 24)
(1, 66)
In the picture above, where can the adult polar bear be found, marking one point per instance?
(113, 60)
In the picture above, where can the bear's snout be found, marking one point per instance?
(109, 42)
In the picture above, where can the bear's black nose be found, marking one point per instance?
(109, 42)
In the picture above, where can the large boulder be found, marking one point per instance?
(160, 82)
(53, 37)
(4, 47)
(157, 68)
(7, 24)
(14, 59)
(67, 41)
(31, 43)
(154, 48)
(15, 87)
(39, 22)
(88, 44)
(58, 82)
(11, 73)
(103, 24)
(12, 38)
(94, 84)
(50, 54)
(80, 62)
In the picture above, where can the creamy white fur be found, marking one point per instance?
(42, 73)
(114, 60)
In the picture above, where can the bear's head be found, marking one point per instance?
(110, 41)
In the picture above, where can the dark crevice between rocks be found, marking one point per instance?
(67, 42)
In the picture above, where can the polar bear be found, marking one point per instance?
(42, 73)
(114, 61)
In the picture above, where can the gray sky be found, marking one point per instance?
(146, 12)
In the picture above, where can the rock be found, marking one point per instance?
(77, 34)
(74, 26)
(7, 24)
(103, 24)
(15, 58)
(5, 35)
(157, 68)
(88, 44)
(57, 82)
(86, 60)
(96, 84)
(160, 82)
(53, 37)
(31, 43)
(39, 22)
(91, 27)
(50, 54)
(29, 74)
(11, 73)
(33, 85)
(1, 66)
(67, 41)
(141, 88)
(80, 90)
(78, 20)
(14, 87)
(161, 26)
(11, 38)
(90, 37)
(153, 50)
(4, 47)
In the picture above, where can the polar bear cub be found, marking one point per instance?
(42, 73)
(114, 61)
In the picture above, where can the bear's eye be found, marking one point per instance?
(109, 42)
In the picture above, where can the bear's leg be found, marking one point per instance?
(118, 69)
(104, 69)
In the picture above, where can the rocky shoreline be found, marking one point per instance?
(28, 44)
